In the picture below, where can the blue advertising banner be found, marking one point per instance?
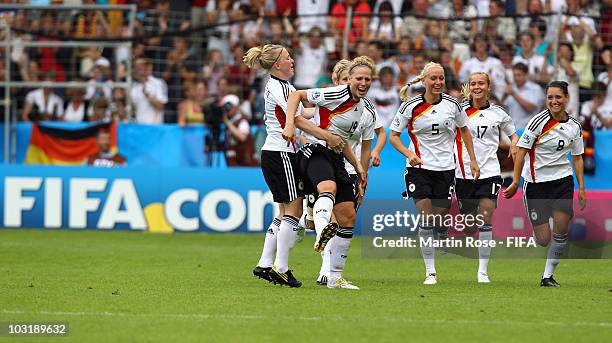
(135, 198)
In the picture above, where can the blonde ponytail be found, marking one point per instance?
(465, 91)
(266, 55)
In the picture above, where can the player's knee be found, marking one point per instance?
(328, 186)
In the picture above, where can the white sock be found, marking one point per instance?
(339, 252)
(484, 252)
(284, 242)
(323, 210)
(427, 250)
(325, 257)
(269, 248)
(555, 251)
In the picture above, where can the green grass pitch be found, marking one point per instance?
(140, 287)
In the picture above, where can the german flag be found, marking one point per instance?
(58, 145)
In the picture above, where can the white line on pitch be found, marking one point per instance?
(255, 317)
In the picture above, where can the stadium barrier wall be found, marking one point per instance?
(211, 200)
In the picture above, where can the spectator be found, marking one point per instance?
(535, 63)
(522, 98)
(243, 31)
(310, 60)
(181, 67)
(419, 59)
(606, 76)
(149, 94)
(403, 59)
(462, 26)
(385, 27)
(493, 38)
(451, 80)
(213, 71)
(43, 103)
(597, 112)
(310, 15)
(219, 12)
(76, 109)
(583, 39)
(239, 151)
(239, 74)
(396, 6)
(385, 96)
(481, 61)
(433, 35)
(605, 22)
(105, 157)
(359, 25)
(117, 106)
(505, 26)
(375, 51)
(100, 109)
(569, 72)
(99, 84)
(191, 110)
(414, 24)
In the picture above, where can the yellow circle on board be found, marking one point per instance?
(156, 220)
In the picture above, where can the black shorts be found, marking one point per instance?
(281, 173)
(430, 184)
(542, 198)
(318, 163)
(469, 192)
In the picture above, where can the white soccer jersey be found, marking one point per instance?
(549, 141)
(275, 97)
(485, 124)
(339, 113)
(431, 128)
(371, 116)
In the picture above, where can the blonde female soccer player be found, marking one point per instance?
(431, 119)
(486, 122)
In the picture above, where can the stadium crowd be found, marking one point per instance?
(184, 73)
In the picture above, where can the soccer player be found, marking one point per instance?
(279, 163)
(548, 189)
(340, 77)
(486, 122)
(431, 119)
(344, 111)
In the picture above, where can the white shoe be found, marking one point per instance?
(483, 278)
(430, 279)
(340, 283)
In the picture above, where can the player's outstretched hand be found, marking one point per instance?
(511, 190)
(582, 199)
(375, 159)
(289, 133)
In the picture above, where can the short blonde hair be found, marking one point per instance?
(403, 93)
(266, 55)
(340, 67)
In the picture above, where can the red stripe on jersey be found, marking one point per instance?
(459, 142)
(418, 111)
(326, 115)
(549, 126)
(472, 111)
(280, 116)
